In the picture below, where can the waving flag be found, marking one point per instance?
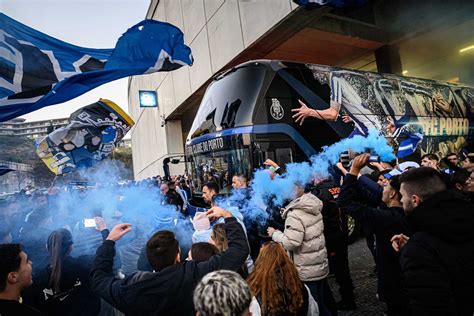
(308, 4)
(37, 70)
(91, 135)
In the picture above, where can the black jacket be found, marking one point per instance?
(15, 308)
(438, 260)
(169, 291)
(75, 297)
(385, 223)
(370, 191)
(335, 222)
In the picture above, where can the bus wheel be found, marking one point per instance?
(353, 229)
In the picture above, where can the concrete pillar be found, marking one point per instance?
(388, 60)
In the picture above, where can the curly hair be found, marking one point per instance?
(276, 280)
(222, 293)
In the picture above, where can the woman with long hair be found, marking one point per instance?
(219, 239)
(303, 238)
(59, 247)
(62, 287)
(276, 285)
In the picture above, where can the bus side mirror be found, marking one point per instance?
(166, 168)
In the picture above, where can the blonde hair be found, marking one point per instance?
(219, 237)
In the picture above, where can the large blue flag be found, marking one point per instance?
(37, 70)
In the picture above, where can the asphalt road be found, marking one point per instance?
(361, 265)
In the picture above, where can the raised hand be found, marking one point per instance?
(216, 212)
(270, 231)
(118, 231)
(100, 224)
(358, 163)
(302, 113)
(271, 163)
(346, 118)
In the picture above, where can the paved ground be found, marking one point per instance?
(361, 265)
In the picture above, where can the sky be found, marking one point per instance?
(86, 23)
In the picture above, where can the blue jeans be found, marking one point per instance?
(322, 294)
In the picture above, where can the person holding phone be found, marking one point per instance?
(169, 288)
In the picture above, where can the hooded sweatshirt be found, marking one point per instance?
(168, 291)
(438, 261)
(304, 237)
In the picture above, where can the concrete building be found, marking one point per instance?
(15, 180)
(426, 39)
(125, 143)
(33, 130)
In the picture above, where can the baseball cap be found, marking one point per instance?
(404, 166)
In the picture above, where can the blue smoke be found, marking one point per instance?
(140, 204)
(281, 188)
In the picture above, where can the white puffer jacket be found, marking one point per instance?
(303, 237)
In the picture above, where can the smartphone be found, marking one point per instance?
(374, 158)
(89, 222)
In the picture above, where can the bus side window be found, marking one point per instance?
(284, 155)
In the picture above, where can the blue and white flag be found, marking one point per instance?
(37, 70)
(408, 137)
(308, 4)
(91, 136)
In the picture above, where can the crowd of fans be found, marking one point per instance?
(418, 220)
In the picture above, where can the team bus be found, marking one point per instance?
(246, 117)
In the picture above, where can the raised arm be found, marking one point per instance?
(234, 257)
(370, 190)
(329, 114)
(102, 280)
(347, 199)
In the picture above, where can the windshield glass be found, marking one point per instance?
(218, 166)
(229, 101)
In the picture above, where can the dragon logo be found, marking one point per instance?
(276, 110)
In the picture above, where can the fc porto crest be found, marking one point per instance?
(276, 110)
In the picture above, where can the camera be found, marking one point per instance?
(345, 159)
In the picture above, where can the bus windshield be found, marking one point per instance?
(218, 159)
(229, 101)
(218, 166)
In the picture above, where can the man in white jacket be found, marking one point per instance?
(303, 238)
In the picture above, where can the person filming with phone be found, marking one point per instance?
(169, 288)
